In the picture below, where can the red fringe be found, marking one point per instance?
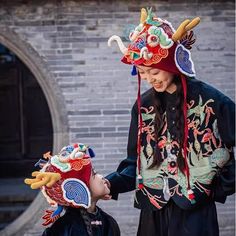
(48, 219)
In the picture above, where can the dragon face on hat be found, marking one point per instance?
(64, 179)
(155, 43)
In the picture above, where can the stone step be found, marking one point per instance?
(15, 190)
(15, 197)
(9, 213)
(3, 225)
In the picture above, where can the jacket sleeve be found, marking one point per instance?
(123, 179)
(225, 179)
(226, 121)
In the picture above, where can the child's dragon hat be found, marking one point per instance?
(64, 179)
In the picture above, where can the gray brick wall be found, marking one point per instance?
(71, 37)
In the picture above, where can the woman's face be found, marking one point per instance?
(98, 186)
(160, 80)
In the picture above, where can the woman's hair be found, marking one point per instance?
(86, 220)
(158, 124)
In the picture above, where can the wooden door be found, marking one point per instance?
(25, 121)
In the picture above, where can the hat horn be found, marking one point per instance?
(143, 15)
(121, 45)
(184, 27)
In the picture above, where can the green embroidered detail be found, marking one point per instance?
(64, 167)
(82, 147)
(156, 183)
(181, 179)
(149, 150)
(146, 117)
(215, 130)
(220, 157)
(164, 40)
(199, 110)
(197, 145)
(134, 55)
(150, 20)
(197, 159)
(206, 178)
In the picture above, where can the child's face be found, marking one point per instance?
(98, 186)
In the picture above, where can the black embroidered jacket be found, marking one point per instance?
(211, 133)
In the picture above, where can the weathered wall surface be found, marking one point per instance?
(98, 91)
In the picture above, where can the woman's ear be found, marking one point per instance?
(91, 152)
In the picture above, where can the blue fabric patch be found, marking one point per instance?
(183, 61)
(76, 192)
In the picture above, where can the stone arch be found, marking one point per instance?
(57, 108)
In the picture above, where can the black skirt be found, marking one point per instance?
(174, 221)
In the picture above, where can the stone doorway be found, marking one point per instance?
(26, 133)
(37, 86)
(25, 121)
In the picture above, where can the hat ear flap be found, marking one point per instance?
(76, 192)
(91, 152)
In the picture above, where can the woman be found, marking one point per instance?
(180, 157)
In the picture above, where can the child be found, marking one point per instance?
(68, 181)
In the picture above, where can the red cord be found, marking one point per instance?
(183, 80)
(139, 125)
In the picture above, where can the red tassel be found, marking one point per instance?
(139, 131)
(191, 196)
(140, 182)
(140, 186)
(154, 202)
(185, 141)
